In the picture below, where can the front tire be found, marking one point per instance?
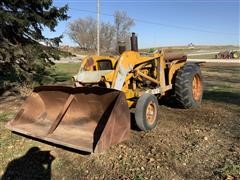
(189, 86)
(146, 114)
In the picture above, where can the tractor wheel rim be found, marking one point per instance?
(151, 113)
(196, 87)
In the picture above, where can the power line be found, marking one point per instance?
(152, 1)
(98, 27)
(159, 24)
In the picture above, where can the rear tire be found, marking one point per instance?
(146, 114)
(189, 86)
(236, 55)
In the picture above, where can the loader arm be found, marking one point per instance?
(126, 63)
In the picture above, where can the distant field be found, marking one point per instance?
(196, 52)
(195, 48)
(210, 51)
(204, 56)
(183, 49)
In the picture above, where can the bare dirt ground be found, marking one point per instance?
(202, 143)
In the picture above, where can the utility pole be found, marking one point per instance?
(98, 27)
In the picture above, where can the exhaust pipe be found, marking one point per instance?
(134, 42)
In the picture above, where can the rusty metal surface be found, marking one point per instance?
(174, 56)
(88, 119)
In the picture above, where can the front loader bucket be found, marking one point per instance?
(83, 118)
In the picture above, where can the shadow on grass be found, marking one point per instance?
(35, 164)
(219, 96)
(53, 78)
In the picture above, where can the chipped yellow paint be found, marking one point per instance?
(134, 64)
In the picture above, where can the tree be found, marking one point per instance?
(123, 24)
(107, 36)
(83, 31)
(22, 58)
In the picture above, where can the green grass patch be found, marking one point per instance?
(230, 168)
(64, 72)
(139, 177)
(70, 68)
(6, 116)
(61, 74)
(222, 88)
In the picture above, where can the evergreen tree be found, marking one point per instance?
(22, 58)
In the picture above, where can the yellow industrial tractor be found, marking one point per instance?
(95, 114)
